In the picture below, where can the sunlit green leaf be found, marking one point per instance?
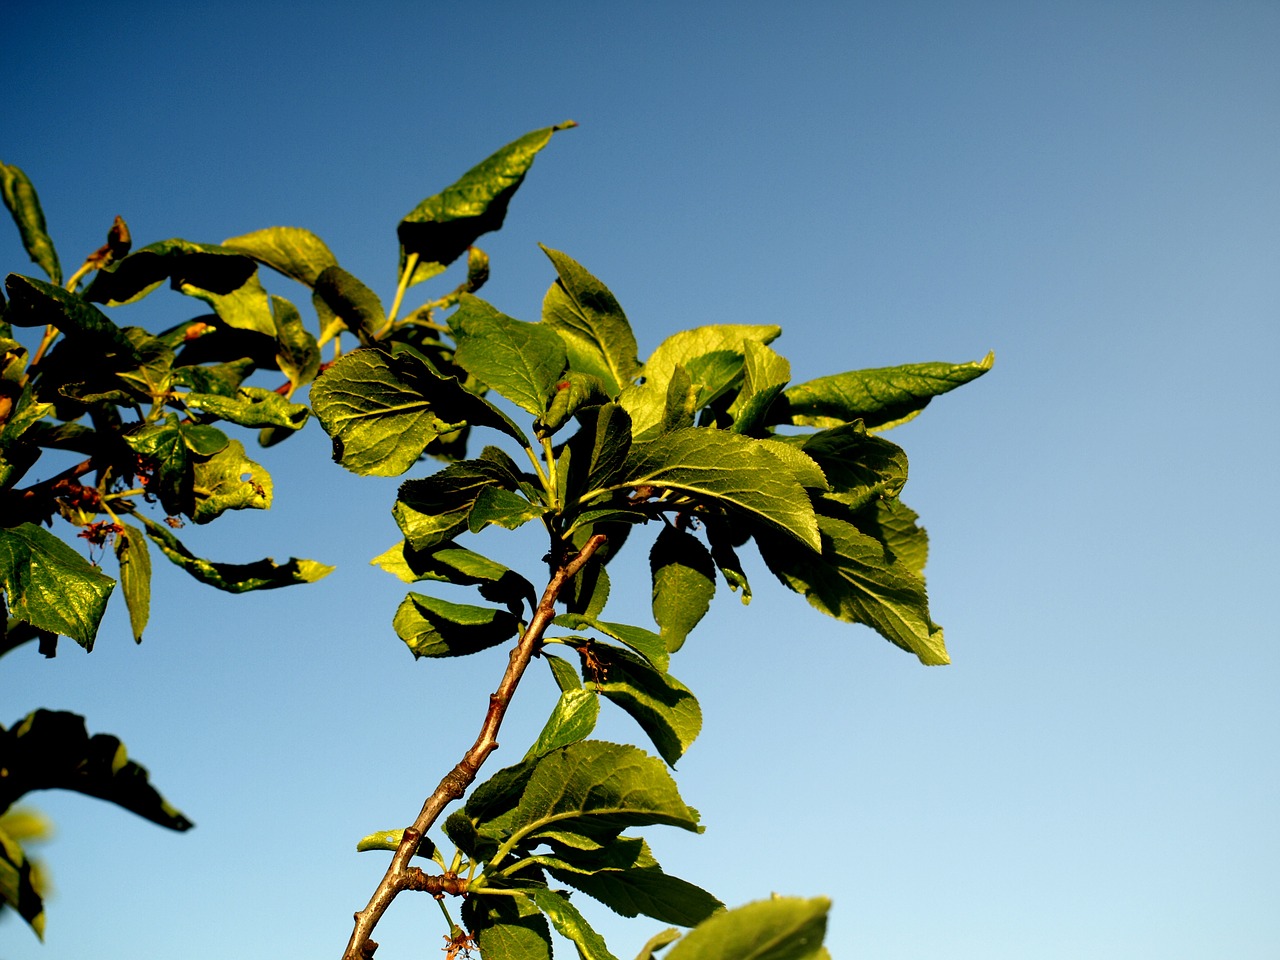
(783, 928)
(20, 197)
(684, 582)
(644, 642)
(573, 719)
(507, 928)
(252, 407)
(573, 391)
(664, 938)
(295, 252)
(228, 480)
(390, 840)
(296, 351)
(522, 361)
(589, 319)
(436, 508)
(569, 923)
(765, 374)
(565, 673)
(881, 398)
(50, 586)
(441, 227)
(494, 505)
(134, 558)
(449, 563)
(432, 627)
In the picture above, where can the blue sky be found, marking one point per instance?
(1089, 189)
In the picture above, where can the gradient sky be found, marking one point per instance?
(1089, 189)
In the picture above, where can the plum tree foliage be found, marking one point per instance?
(696, 450)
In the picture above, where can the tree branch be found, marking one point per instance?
(400, 876)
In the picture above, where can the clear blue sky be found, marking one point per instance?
(1089, 189)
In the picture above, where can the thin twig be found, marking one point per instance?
(456, 781)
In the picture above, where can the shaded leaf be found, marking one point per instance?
(644, 642)
(432, 627)
(297, 253)
(573, 719)
(50, 586)
(252, 407)
(507, 928)
(449, 563)
(134, 558)
(297, 353)
(856, 580)
(34, 303)
(859, 468)
(24, 204)
(17, 883)
(783, 928)
(436, 508)
(894, 525)
(684, 582)
(351, 301)
(765, 374)
(664, 938)
(522, 361)
(595, 331)
(569, 923)
(53, 750)
(882, 398)
(443, 226)
(170, 450)
(234, 577)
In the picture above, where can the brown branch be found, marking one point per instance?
(400, 876)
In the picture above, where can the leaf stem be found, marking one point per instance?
(410, 265)
(455, 783)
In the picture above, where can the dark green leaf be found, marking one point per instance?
(34, 303)
(437, 628)
(589, 319)
(725, 469)
(684, 581)
(296, 351)
(507, 928)
(252, 407)
(234, 577)
(442, 227)
(522, 361)
(502, 507)
(295, 252)
(351, 301)
(663, 706)
(53, 750)
(569, 923)
(881, 398)
(600, 449)
(644, 642)
(783, 928)
(382, 410)
(573, 719)
(893, 523)
(860, 468)
(170, 450)
(436, 508)
(135, 577)
(50, 586)
(20, 197)
(626, 878)
(765, 374)
(228, 480)
(17, 883)
(449, 563)
(588, 592)
(856, 580)
(726, 558)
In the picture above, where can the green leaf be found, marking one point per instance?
(432, 627)
(860, 468)
(436, 508)
(591, 786)
(588, 592)
(882, 398)
(765, 374)
(644, 642)
(53, 750)
(507, 928)
(589, 319)
(20, 197)
(684, 581)
(663, 706)
(34, 303)
(573, 719)
(134, 558)
(726, 469)
(783, 928)
(50, 586)
(228, 480)
(727, 562)
(382, 411)
(441, 227)
(856, 580)
(712, 356)
(17, 883)
(234, 577)
(449, 563)
(569, 923)
(390, 840)
(626, 878)
(895, 526)
(351, 301)
(224, 379)
(564, 672)
(170, 450)
(252, 407)
(572, 392)
(658, 941)
(502, 507)
(600, 449)
(296, 351)
(522, 361)
(297, 253)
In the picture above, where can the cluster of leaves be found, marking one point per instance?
(707, 440)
